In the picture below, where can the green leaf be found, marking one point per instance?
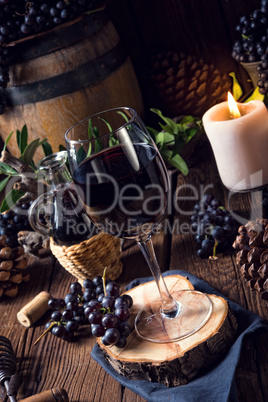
(164, 138)
(237, 90)
(179, 143)
(11, 199)
(175, 161)
(152, 131)
(61, 148)
(18, 138)
(6, 169)
(3, 183)
(188, 119)
(255, 95)
(167, 120)
(23, 138)
(29, 151)
(47, 148)
(90, 129)
(123, 115)
(113, 141)
(90, 135)
(190, 133)
(81, 155)
(107, 124)
(7, 140)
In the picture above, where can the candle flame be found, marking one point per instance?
(234, 111)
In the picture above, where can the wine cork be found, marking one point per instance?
(34, 310)
(52, 395)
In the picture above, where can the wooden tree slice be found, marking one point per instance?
(174, 363)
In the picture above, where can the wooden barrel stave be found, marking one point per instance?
(54, 90)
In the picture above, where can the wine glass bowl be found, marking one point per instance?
(119, 174)
(124, 185)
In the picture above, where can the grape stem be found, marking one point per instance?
(214, 257)
(104, 281)
(45, 332)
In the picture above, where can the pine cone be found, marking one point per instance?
(185, 84)
(13, 263)
(252, 259)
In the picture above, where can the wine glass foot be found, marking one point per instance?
(194, 310)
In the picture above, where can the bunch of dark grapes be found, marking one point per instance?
(12, 222)
(253, 43)
(22, 18)
(262, 70)
(214, 226)
(106, 311)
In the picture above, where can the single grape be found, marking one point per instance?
(88, 310)
(97, 330)
(109, 320)
(124, 328)
(122, 313)
(108, 302)
(67, 314)
(56, 315)
(95, 317)
(62, 303)
(99, 290)
(120, 302)
(122, 342)
(218, 233)
(129, 300)
(97, 280)
(88, 284)
(207, 244)
(72, 305)
(76, 288)
(72, 326)
(112, 336)
(202, 253)
(89, 294)
(100, 297)
(199, 238)
(70, 297)
(113, 289)
(53, 303)
(59, 331)
(105, 340)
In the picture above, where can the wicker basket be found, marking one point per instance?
(89, 258)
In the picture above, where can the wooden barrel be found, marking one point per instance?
(64, 75)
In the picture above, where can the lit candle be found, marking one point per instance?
(238, 135)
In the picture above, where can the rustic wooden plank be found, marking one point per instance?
(130, 396)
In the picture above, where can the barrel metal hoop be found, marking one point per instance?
(81, 77)
(59, 38)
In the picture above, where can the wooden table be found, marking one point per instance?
(54, 362)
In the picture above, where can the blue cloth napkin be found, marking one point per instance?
(216, 385)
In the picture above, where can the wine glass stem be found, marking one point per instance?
(169, 305)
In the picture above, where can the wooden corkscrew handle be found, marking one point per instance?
(51, 395)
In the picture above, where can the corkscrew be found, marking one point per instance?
(7, 367)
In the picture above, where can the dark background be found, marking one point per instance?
(203, 30)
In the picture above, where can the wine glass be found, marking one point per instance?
(124, 184)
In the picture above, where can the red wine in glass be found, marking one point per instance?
(125, 200)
